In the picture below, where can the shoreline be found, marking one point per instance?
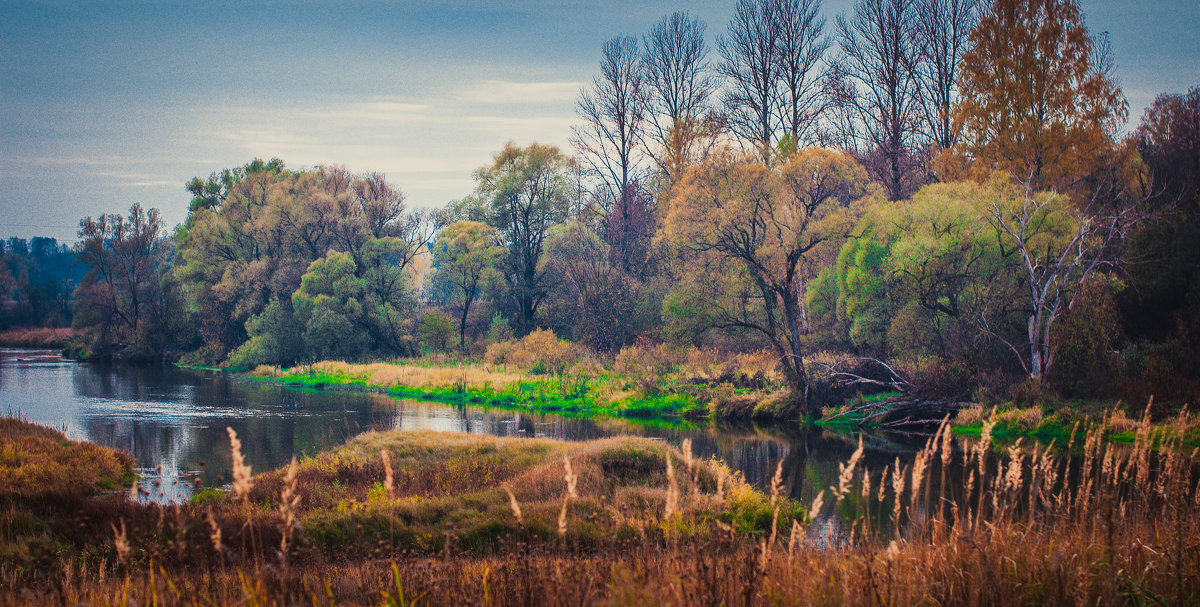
(545, 395)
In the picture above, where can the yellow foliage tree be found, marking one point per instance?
(744, 232)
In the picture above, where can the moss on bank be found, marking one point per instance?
(1010, 422)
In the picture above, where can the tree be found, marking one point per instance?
(465, 255)
(1036, 99)
(349, 309)
(122, 293)
(942, 29)
(249, 246)
(594, 301)
(678, 83)
(529, 189)
(743, 231)
(801, 54)
(919, 276)
(628, 230)
(878, 59)
(1165, 297)
(613, 110)
(750, 65)
(1057, 249)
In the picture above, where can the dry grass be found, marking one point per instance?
(389, 375)
(539, 352)
(39, 463)
(36, 337)
(1037, 526)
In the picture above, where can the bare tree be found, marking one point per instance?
(878, 61)
(941, 29)
(801, 52)
(612, 109)
(679, 83)
(752, 72)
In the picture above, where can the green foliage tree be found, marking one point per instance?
(529, 190)
(919, 277)
(350, 309)
(464, 258)
(251, 237)
(437, 331)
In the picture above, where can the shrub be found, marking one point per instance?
(437, 331)
(646, 366)
(538, 352)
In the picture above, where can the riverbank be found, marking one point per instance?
(449, 519)
(591, 391)
(51, 339)
(601, 392)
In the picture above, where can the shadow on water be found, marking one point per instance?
(173, 421)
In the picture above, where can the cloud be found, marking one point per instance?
(545, 129)
(504, 91)
(135, 179)
(76, 160)
(379, 110)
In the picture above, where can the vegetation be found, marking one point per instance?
(36, 338)
(543, 373)
(446, 519)
(932, 198)
(36, 280)
(40, 464)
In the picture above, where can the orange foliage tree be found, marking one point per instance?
(1036, 99)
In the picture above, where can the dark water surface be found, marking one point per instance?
(173, 421)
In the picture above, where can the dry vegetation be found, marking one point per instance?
(455, 519)
(36, 337)
(39, 463)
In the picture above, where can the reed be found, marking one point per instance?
(243, 482)
(1032, 525)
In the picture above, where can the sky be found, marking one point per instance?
(108, 103)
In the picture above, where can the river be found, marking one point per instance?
(173, 422)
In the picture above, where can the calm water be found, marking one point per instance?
(173, 421)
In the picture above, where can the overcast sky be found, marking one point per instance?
(103, 104)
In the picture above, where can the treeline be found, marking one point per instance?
(37, 279)
(938, 184)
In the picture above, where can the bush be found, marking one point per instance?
(538, 352)
(437, 331)
(645, 365)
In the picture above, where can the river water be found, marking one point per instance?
(173, 422)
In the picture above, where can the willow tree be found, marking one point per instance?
(743, 232)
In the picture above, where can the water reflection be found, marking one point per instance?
(173, 422)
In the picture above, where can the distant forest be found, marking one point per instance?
(946, 186)
(38, 278)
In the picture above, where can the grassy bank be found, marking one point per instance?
(477, 520)
(1010, 422)
(591, 390)
(36, 338)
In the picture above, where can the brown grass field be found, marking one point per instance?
(445, 519)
